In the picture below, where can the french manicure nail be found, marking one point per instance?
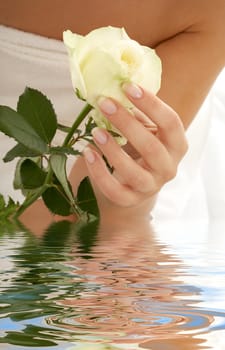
(89, 155)
(133, 90)
(107, 105)
(100, 136)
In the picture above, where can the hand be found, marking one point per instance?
(157, 135)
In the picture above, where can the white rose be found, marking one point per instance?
(105, 58)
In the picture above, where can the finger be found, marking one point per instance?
(132, 174)
(148, 124)
(147, 145)
(171, 130)
(107, 183)
(145, 121)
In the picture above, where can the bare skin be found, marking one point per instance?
(189, 38)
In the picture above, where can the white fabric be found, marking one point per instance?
(198, 191)
(40, 63)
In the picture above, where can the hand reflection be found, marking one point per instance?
(126, 288)
(111, 281)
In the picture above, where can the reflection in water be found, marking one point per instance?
(120, 287)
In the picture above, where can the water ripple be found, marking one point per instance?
(50, 297)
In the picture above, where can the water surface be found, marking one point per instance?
(129, 288)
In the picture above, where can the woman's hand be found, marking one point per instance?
(157, 139)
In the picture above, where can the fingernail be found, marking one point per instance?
(100, 136)
(133, 90)
(89, 155)
(107, 105)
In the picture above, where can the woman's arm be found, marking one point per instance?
(193, 58)
(189, 38)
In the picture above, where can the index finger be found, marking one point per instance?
(170, 127)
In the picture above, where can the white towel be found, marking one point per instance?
(41, 63)
(198, 191)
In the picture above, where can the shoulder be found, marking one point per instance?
(194, 55)
(161, 20)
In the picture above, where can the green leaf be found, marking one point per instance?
(39, 113)
(2, 202)
(15, 125)
(7, 209)
(58, 164)
(89, 126)
(86, 199)
(64, 150)
(32, 176)
(78, 94)
(56, 202)
(19, 151)
(17, 182)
